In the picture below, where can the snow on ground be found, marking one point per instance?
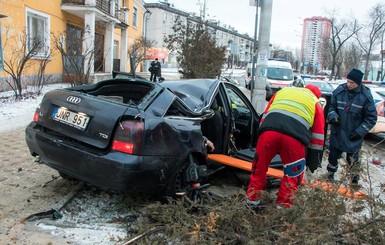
(14, 114)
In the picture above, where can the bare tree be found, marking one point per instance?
(74, 63)
(297, 59)
(137, 50)
(340, 34)
(197, 53)
(18, 60)
(352, 56)
(325, 53)
(40, 79)
(372, 33)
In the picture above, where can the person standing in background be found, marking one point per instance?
(352, 114)
(155, 70)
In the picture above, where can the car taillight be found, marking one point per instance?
(128, 137)
(36, 117)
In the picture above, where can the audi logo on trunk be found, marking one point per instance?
(73, 99)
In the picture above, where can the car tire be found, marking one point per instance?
(180, 186)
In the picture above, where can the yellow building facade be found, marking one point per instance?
(93, 34)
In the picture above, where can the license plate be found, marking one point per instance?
(77, 120)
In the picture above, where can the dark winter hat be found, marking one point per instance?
(355, 75)
(316, 91)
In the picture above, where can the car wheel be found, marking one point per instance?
(187, 182)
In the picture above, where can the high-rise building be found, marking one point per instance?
(315, 30)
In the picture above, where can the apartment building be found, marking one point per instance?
(95, 34)
(315, 29)
(160, 20)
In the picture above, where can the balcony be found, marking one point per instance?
(122, 15)
(106, 10)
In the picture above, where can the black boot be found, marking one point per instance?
(355, 179)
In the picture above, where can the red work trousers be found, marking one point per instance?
(290, 150)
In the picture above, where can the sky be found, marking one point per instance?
(287, 16)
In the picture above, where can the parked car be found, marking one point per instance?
(324, 86)
(323, 74)
(378, 94)
(131, 134)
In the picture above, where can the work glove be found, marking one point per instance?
(335, 121)
(354, 136)
(313, 159)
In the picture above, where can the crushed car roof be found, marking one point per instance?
(195, 93)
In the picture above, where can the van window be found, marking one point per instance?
(279, 73)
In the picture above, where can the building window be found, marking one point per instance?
(38, 33)
(135, 17)
(116, 49)
(73, 46)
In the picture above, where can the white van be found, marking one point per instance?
(279, 74)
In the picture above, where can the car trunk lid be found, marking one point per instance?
(82, 117)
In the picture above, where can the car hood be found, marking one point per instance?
(197, 94)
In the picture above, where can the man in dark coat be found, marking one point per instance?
(352, 114)
(155, 70)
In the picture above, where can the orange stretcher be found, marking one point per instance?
(278, 174)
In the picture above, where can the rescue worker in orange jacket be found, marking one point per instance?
(292, 126)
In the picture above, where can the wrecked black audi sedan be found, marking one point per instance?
(131, 134)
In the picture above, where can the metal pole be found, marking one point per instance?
(252, 85)
(259, 91)
(232, 62)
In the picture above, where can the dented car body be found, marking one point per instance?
(131, 134)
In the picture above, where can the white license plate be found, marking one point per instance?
(77, 120)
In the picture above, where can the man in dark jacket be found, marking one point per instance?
(352, 114)
(155, 70)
